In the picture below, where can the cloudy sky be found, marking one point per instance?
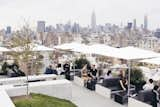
(14, 12)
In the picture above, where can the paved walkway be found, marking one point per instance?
(83, 97)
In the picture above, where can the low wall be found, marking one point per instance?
(79, 81)
(57, 88)
(103, 91)
(135, 103)
(21, 80)
(5, 99)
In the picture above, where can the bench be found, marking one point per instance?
(109, 87)
(132, 102)
(21, 80)
(145, 96)
(56, 88)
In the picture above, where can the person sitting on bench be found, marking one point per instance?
(123, 83)
(49, 70)
(93, 72)
(155, 98)
(149, 85)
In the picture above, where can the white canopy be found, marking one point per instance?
(33, 47)
(104, 50)
(133, 53)
(152, 61)
(117, 66)
(68, 46)
(3, 49)
(41, 48)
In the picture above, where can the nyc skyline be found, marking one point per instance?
(14, 12)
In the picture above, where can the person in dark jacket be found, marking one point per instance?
(155, 98)
(66, 68)
(49, 70)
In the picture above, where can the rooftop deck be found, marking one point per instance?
(83, 97)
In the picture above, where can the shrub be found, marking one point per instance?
(81, 62)
(136, 76)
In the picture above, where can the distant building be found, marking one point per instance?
(59, 27)
(41, 26)
(49, 29)
(134, 24)
(145, 22)
(93, 22)
(157, 33)
(8, 30)
(129, 26)
(76, 28)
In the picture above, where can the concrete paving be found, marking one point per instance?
(83, 97)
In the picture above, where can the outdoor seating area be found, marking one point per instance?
(121, 81)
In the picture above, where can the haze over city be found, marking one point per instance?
(13, 12)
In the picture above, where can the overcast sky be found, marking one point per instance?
(13, 12)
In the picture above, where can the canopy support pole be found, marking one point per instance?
(129, 77)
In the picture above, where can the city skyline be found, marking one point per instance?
(13, 12)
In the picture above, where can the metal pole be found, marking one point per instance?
(129, 77)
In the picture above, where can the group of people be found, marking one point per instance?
(59, 70)
(12, 70)
(155, 90)
(123, 83)
(89, 75)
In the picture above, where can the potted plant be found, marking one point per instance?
(137, 78)
(81, 62)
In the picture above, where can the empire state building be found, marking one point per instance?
(93, 22)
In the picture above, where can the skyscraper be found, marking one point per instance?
(134, 24)
(93, 22)
(41, 26)
(145, 22)
(8, 30)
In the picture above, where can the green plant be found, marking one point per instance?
(81, 62)
(136, 76)
(39, 100)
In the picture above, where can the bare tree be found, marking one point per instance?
(24, 54)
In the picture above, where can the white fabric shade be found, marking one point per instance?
(3, 49)
(133, 53)
(68, 46)
(155, 61)
(118, 66)
(127, 53)
(33, 47)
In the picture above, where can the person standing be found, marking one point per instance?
(155, 98)
(66, 68)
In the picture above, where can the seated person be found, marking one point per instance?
(149, 85)
(108, 75)
(59, 69)
(93, 72)
(17, 71)
(155, 98)
(84, 75)
(4, 68)
(11, 73)
(121, 74)
(123, 83)
(49, 70)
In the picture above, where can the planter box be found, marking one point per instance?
(79, 81)
(135, 103)
(103, 91)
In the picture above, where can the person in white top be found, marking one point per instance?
(108, 75)
(149, 85)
